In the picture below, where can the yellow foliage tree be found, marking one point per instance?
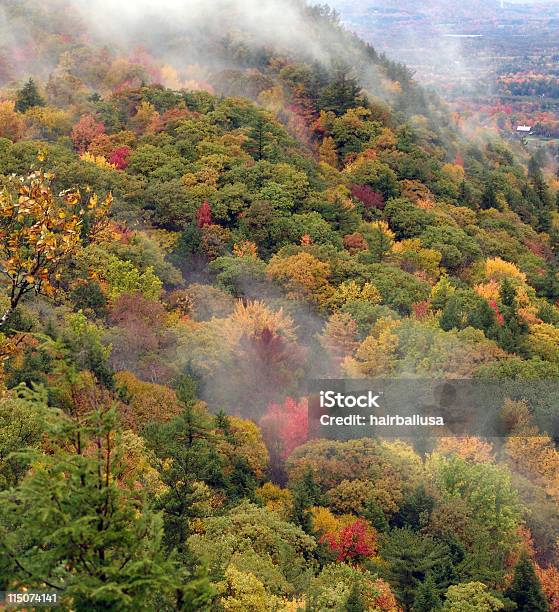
(244, 441)
(145, 401)
(543, 341)
(350, 291)
(138, 466)
(243, 591)
(412, 257)
(41, 231)
(489, 290)
(12, 124)
(323, 521)
(454, 172)
(498, 269)
(292, 605)
(535, 456)
(202, 184)
(47, 122)
(276, 499)
(380, 238)
(170, 77)
(527, 450)
(328, 153)
(376, 355)
(340, 337)
(386, 139)
(146, 118)
(381, 226)
(303, 275)
(441, 292)
(99, 160)
(516, 416)
(350, 496)
(252, 318)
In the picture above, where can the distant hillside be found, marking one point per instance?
(450, 9)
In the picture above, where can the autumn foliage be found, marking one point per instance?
(355, 542)
(85, 131)
(285, 426)
(41, 232)
(119, 158)
(368, 196)
(204, 215)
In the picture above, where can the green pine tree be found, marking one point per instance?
(341, 94)
(186, 389)
(526, 589)
(258, 138)
(465, 194)
(186, 443)
(242, 482)
(222, 422)
(510, 335)
(415, 510)
(426, 597)
(374, 514)
(543, 201)
(489, 197)
(412, 557)
(306, 493)
(75, 525)
(28, 97)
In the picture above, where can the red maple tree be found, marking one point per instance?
(204, 215)
(120, 157)
(285, 426)
(368, 196)
(356, 541)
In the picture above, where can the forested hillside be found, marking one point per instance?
(179, 259)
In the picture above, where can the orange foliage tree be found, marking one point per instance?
(549, 577)
(468, 447)
(85, 132)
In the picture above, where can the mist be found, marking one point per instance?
(153, 21)
(197, 39)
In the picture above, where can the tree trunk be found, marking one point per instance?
(5, 316)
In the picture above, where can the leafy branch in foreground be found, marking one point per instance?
(40, 232)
